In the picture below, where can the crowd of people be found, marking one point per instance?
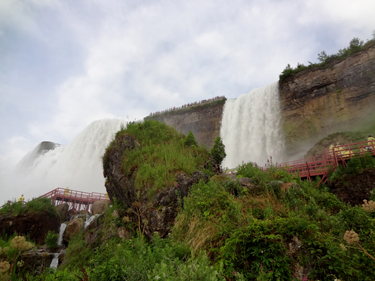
(187, 105)
(345, 151)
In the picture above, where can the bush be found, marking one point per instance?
(51, 240)
(190, 140)
(218, 151)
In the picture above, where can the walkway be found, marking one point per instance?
(77, 200)
(321, 165)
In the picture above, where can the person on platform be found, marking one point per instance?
(371, 142)
(21, 198)
(331, 147)
(338, 150)
(66, 192)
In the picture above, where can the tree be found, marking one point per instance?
(322, 56)
(218, 150)
(190, 140)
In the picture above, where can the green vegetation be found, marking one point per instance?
(185, 109)
(251, 232)
(355, 45)
(37, 205)
(161, 153)
(51, 240)
(218, 151)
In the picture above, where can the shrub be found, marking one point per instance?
(190, 140)
(51, 240)
(218, 151)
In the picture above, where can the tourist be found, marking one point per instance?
(21, 198)
(371, 142)
(331, 147)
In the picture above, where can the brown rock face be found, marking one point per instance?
(151, 215)
(99, 207)
(62, 210)
(203, 121)
(73, 228)
(317, 102)
(34, 225)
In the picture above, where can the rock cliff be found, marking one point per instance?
(323, 100)
(203, 121)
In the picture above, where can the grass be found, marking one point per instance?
(162, 153)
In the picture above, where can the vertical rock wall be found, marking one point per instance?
(319, 101)
(203, 120)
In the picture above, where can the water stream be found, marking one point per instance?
(61, 233)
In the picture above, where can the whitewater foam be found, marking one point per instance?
(77, 165)
(251, 127)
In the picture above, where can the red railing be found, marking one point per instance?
(320, 165)
(78, 200)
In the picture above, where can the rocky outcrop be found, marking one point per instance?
(33, 225)
(73, 227)
(150, 214)
(203, 121)
(99, 207)
(319, 101)
(62, 210)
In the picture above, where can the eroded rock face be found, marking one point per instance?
(203, 121)
(34, 225)
(319, 101)
(156, 214)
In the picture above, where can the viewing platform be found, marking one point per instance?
(77, 200)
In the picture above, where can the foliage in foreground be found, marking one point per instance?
(250, 231)
(36, 205)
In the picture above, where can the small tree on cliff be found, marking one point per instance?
(218, 150)
(190, 140)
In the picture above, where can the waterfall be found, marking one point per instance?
(55, 261)
(251, 127)
(61, 233)
(77, 165)
(89, 219)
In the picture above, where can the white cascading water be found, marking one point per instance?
(61, 233)
(55, 261)
(89, 219)
(251, 128)
(77, 165)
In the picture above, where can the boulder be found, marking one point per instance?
(73, 228)
(246, 182)
(62, 210)
(99, 207)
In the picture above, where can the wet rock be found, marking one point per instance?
(62, 210)
(73, 227)
(99, 207)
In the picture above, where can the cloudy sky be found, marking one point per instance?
(64, 64)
